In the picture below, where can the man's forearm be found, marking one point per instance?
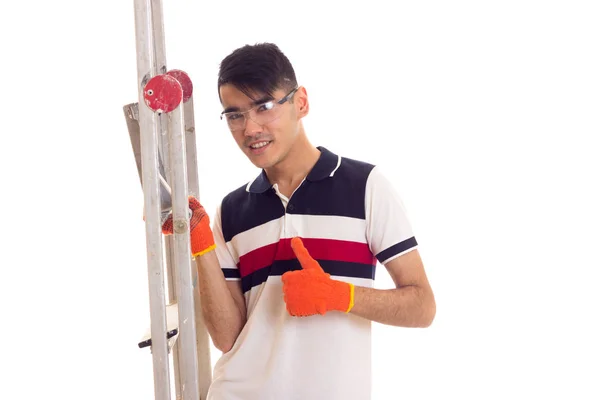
(224, 319)
(408, 306)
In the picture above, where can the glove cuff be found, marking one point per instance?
(351, 303)
(342, 297)
(201, 238)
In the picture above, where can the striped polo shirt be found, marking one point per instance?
(350, 218)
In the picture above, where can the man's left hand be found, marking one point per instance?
(310, 290)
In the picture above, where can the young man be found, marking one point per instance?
(287, 293)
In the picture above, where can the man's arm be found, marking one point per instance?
(389, 232)
(223, 304)
(310, 291)
(410, 304)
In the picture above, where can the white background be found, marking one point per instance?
(484, 114)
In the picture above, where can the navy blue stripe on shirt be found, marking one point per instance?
(279, 267)
(231, 273)
(242, 211)
(343, 196)
(396, 249)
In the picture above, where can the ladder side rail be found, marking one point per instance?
(150, 184)
(202, 336)
(188, 365)
(160, 63)
(172, 273)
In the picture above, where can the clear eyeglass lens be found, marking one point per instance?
(261, 114)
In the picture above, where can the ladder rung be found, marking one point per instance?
(172, 328)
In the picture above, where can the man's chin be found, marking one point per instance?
(262, 160)
(261, 163)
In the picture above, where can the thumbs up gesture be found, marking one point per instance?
(310, 290)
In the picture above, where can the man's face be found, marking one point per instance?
(263, 129)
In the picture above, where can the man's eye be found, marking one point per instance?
(265, 106)
(233, 117)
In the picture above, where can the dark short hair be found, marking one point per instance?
(260, 68)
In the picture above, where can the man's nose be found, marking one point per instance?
(251, 128)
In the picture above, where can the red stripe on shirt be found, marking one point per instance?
(319, 249)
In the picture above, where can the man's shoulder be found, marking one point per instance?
(355, 168)
(357, 163)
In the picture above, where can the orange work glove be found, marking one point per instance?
(201, 236)
(310, 290)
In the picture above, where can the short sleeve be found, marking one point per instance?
(226, 260)
(389, 232)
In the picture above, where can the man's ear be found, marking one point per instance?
(301, 102)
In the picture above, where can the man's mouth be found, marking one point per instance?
(259, 144)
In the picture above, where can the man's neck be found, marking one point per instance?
(290, 172)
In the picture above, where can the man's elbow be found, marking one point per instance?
(225, 341)
(428, 311)
(223, 345)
